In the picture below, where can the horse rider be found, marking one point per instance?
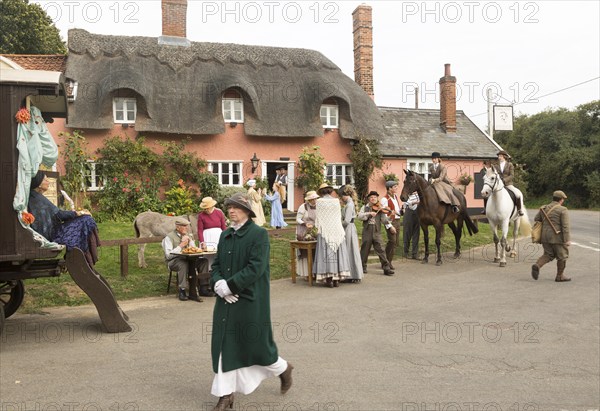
(506, 171)
(439, 180)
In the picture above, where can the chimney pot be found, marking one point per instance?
(447, 69)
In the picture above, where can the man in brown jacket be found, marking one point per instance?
(556, 237)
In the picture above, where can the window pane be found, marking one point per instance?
(130, 104)
(334, 117)
(119, 115)
(235, 180)
(225, 168)
(119, 104)
(130, 116)
(225, 179)
(323, 111)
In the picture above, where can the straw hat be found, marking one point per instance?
(207, 202)
(323, 186)
(311, 195)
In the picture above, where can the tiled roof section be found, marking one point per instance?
(417, 133)
(48, 62)
(179, 89)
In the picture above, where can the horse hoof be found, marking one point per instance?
(425, 261)
(503, 264)
(513, 254)
(496, 260)
(438, 263)
(508, 248)
(456, 255)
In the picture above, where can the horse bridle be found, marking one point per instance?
(495, 182)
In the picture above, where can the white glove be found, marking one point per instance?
(231, 299)
(222, 289)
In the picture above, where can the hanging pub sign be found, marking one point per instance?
(503, 118)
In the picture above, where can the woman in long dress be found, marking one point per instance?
(305, 221)
(255, 198)
(276, 209)
(211, 223)
(348, 197)
(331, 263)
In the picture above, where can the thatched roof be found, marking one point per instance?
(417, 133)
(180, 88)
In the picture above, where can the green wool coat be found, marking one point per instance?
(242, 331)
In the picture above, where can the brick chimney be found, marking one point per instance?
(448, 101)
(362, 18)
(174, 13)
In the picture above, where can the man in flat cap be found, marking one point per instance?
(172, 245)
(393, 203)
(556, 237)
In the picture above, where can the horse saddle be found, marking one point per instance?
(513, 196)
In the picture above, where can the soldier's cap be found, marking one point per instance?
(181, 221)
(559, 194)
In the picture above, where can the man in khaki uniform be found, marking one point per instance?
(556, 244)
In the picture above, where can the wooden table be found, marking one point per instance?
(192, 275)
(302, 245)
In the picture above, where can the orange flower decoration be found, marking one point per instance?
(23, 116)
(28, 218)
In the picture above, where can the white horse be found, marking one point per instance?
(500, 210)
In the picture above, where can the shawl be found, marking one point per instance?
(329, 221)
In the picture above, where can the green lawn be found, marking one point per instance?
(152, 281)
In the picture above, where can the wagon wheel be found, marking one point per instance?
(11, 296)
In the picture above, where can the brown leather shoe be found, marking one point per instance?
(225, 402)
(286, 379)
(535, 271)
(561, 278)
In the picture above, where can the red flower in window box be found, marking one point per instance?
(27, 218)
(23, 116)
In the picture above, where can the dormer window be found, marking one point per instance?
(233, 107)
(330, 115)
(124, 110)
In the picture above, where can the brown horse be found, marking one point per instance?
(432, 212)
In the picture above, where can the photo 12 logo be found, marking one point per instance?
(92, 11)
(469, 12)
(269, 12)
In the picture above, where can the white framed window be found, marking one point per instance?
(228, 173)
(94, 179)
(233, 110)
(329, 116)
(124, 110)
(420, 166)
(339, 174)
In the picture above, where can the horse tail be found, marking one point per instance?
(525, 225)
(469, 223)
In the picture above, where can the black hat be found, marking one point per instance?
(281, 167)
(37, 179)
(435, 154)
(240, 200)
(372, 193)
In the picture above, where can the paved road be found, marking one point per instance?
(465, 336)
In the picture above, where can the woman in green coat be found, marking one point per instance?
(243, 350)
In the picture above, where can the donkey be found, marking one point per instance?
(500, 210)
(150, 224)
(432, 212)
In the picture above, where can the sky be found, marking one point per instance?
(535, 55)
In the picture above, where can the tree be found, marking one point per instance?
(365, 157)
(311, 166)
(561, 150)
(27, 29)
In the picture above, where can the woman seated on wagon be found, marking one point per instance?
(70, 228)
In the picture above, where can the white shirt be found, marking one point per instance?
(169, 247)
(384, 203)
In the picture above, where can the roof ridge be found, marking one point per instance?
(82, 42)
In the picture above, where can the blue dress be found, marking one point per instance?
(276, 210)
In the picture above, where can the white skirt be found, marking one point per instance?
(211, 239)
(244, 380)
